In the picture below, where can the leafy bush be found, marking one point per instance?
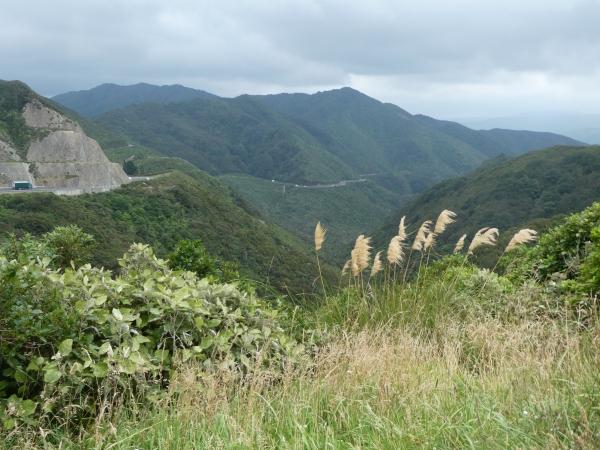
(75, 341)
(191, 255)
(568, 254)
(63, 246)
(562, 249)
(70, 244)
(590, 268)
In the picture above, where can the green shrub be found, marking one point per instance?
(561, 251)
(70, 245)
(74, 340)
(590, 267)
(191, 255)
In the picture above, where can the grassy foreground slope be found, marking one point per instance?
(162, 211)
(457, 357)
(529, 189)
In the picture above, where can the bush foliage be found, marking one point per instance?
(568, 254)
(76, 339)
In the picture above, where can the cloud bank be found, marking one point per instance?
(465, 58)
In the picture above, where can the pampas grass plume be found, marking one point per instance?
(460, 244)
(421, 236)
(377, 265)
(361, 254)
(346, 267)
(320, 233)
(402, 230)
(429, 241)
(522, 237)
(395, 253)
(445, 218)
(485, 236)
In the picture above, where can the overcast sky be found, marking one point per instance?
(447, 58)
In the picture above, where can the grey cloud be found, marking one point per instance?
(439, 48)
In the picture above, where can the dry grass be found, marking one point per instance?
(480, 385)
(421, 237)
(485, 236)
(522, 237)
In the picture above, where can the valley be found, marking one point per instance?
(297, 225)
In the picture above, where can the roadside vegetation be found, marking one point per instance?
(412, 347)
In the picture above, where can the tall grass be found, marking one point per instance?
(479, 384)
(449, 357)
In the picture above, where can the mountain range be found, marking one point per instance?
(278, 164)
(325, 137)
(271, 148)
(109, 96)
(581, 126)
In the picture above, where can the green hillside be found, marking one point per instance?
(229, 135)
(498, 141)
(161, 212)
(376, 137)
(108, 96)
(325, 137)
(530, 189)
(346, 211)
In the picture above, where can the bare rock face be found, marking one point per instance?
(37, 115)
(63, 158)
(63, 146)
(7, 153)
(11, 171)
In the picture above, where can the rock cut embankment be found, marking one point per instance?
(62, 156)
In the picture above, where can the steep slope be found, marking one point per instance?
(379, 137)
(498, 141)
(42, 145)
(347, 210)
(531, 188)
(375, 137)
(324, 137)
(162, 211)
(229, 135)
(106, 97)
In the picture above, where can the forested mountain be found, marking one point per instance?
(181, 202)
(164, 210)
(529, 189)
(324, 137)
(301, 139)
(229, 135)
(376, 137)
(497, 141)
(108, 96)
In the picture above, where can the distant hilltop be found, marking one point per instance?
(42, 146)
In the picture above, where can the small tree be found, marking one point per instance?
(69, 244)
(191, 255)
(129, 167)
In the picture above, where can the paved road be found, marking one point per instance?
(9, 190)
(321, 186)
(66, 191)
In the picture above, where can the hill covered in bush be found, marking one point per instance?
(162, 211)
(324, 137)
(530, 189)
